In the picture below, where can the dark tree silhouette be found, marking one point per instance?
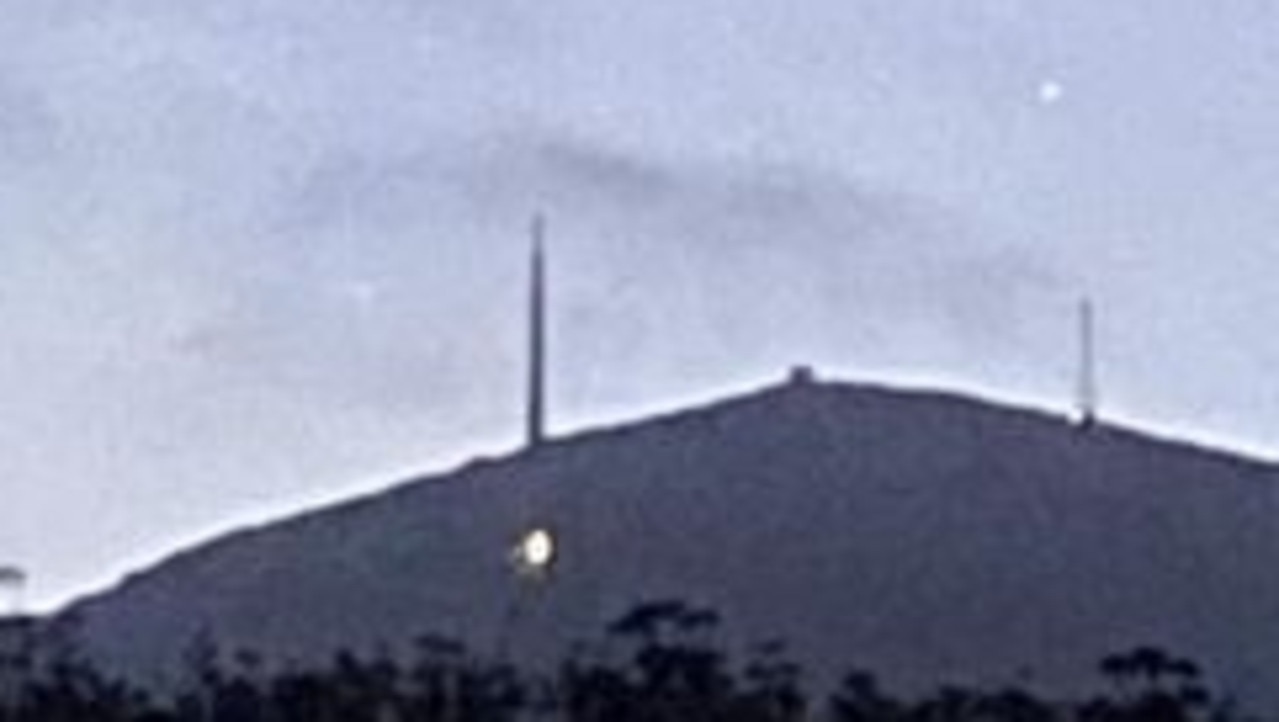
(1151, 685)
(660, 662)
(773, 687)
(860, 699)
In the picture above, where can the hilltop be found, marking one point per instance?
(928, 535)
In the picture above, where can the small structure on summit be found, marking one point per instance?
(802, 375)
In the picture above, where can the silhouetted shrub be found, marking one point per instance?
(659, 662)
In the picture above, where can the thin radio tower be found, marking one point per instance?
(1087, 364)
(13, 586)
(537, 335)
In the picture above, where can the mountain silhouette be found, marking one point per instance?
(930, 536)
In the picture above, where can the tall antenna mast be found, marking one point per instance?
(1087, 364)
(537, 335)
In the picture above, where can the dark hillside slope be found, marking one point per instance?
(925, 535)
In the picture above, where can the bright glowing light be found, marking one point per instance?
(536, 550)
(1050, 92)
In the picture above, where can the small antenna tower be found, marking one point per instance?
(1087, 390)
(13, 587)
(537, 335)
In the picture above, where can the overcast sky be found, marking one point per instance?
(255, 255)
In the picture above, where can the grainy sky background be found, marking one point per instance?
(255, 255)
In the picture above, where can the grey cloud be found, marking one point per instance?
(678, 257)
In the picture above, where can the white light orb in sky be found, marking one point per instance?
(1050, 92)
